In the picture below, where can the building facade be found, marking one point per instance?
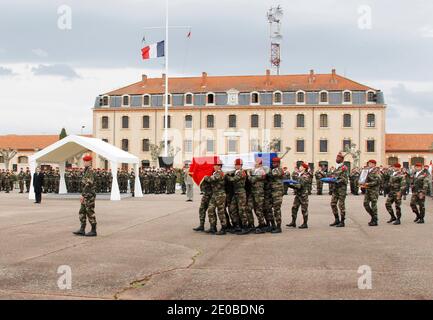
(315, 115)
(409, 149)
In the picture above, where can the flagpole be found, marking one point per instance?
(166, 82)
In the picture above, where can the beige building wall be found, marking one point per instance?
(359, 133)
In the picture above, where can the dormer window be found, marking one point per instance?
(278, 97)
(371, 97)
(254, 98)
(125, 101)
(146, 100)
(105, 100)
(347, 97)
(323, 97)
(188, 99)
(210, 98)
(300, 97)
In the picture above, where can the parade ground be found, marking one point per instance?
(146, 249)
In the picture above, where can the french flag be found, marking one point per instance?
(154, 50)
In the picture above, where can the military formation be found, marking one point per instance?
(8, 179)
(159, 180)
(235, 197)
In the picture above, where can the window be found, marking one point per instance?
(23, 159)
(2, 159)
(300, 97)
(125, 144)
(278, 98)
(125, 122)
(347, 97)
(210, 145)
(254, 121)
(323, 145)
(232, 146)
(188, 121)
(146, 145)
(277, 145)
(254, 145)
(169, 99)
(346, 144)
(347, 120)
(371, 120)
(210, 98)
(168, 122)
(105, 101)
(210, 121)
(277, 121)
(323, 121)
(188, 146)
(415, 160)
(371, 96)
(254, 98)
(125, 100)
(392, 161)
(104, 122)
(188, 99)
(146, 100)
(323, 97)
(232, 121)
(146, 122)
(300, 121)
(300, 145)
(370, 145)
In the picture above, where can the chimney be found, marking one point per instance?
(311, 78)
(163, 79)
(334, 72)
(268, 77)
(144, 78)
(333, 77)
(203, 79)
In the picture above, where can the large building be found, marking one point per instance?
(315, 115)
(409, 149)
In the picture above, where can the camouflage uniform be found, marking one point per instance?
(206, 189)
(87, 209)
(257, 179)
(397, 186)
(419, 184)
(21, 176)
(27, 179)
(239, 200)
(301, 198)
(338, 200)
(354, 181)
(276, 179)
(218, 199)
(320, 174)
(372, 184)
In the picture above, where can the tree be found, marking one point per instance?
(356, 154)
(63, 134)
(7, 155)
(157, 149)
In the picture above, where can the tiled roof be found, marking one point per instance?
(27, 142)
(400, 142)
(205, 83)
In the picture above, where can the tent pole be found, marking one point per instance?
(62, 186)
(115, 193)
(138, 193)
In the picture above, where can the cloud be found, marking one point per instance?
(40, 53)
(5, 71)
(426, 32)
(62, 70)
(415, 101)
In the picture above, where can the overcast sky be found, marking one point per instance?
(49, 76)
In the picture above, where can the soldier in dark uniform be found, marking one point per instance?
(88, 196)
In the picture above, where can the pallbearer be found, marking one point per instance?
(277, 187)
(396, 187)
(420, 184)
(339, 193)
(301, 196)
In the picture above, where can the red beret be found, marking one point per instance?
(372, 161)
(418, 164)
(276, 159)
(259, 160)
(305, 165)
(218, 163)
(397, 165)
(87, 158)
(340, 155)
(238, 162)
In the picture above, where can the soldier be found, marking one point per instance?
(88, 196)
(386, 175)
(372, 185)
(132, 182)
(257, 179)
(21, 176)
(330, 185)
(397, 186)
(338, 200)
(286, 177)
(419, 184)
(7, 181)
(320, 174)
(239, 200)
(310, 174)
(27, 179)
(217, 201)
(354, 181)
(206, 188)
(277, 188)
(301, 196)
(407, 179)
(182, 179)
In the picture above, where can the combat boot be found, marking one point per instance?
(243, 231)
(341, 224)
(292, 224)
(92, 232)
(222, 231)
(336, 221)
(276, 229)
(392, 219)
(421, 220)
(200, 228)
(396, 222)
(304, 225)
(81, 231)
(373, 222)
(261, 229)
(212, 229)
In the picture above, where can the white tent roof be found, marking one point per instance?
(73, 145)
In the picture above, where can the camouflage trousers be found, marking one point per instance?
(87, 210)
(277, 201)
(319, 187)
(300, 201)
(238, 208)
(267, 208)
(390, 200)
(256, 200)
(204, 205)
(338, 201)
(418, 205)
(370, 203)
(217, 202)
(21, 184)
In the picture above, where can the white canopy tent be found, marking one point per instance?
(73, 145)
